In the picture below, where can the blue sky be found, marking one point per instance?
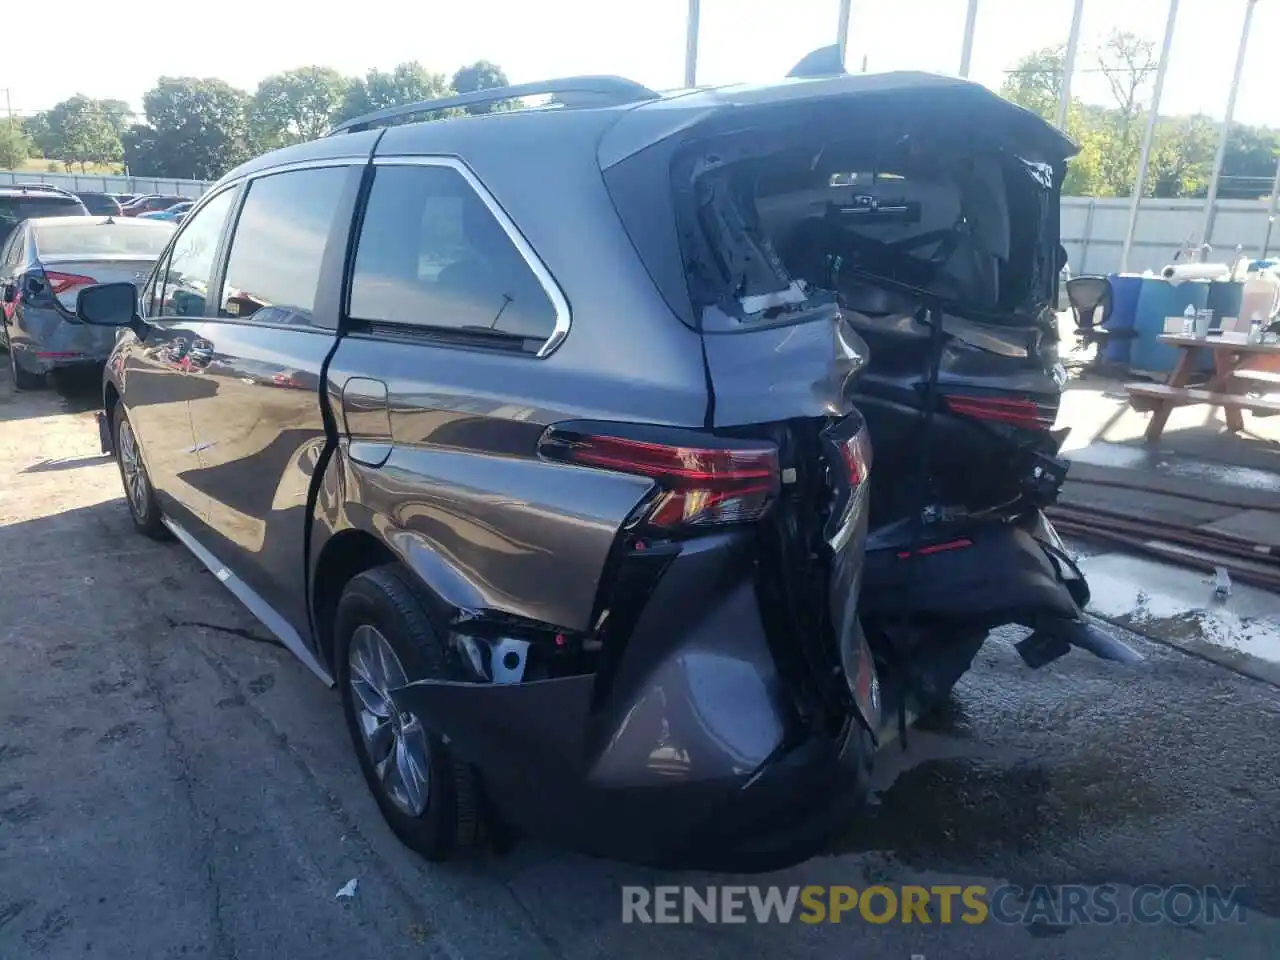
(741, 40)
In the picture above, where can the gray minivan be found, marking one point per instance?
(501, 425)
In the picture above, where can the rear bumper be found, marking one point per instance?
(689, 753)
(43, 341)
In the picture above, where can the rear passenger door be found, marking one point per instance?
(260, 430)
(450, 311)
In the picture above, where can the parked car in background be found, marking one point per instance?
(18, 203)
(44, 265)
(150, 204)
(175, 214)
(100, 204)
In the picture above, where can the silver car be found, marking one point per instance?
(44, 265)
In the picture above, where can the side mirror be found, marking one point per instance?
(108, 304)
(9, 292)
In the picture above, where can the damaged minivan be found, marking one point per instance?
(636, 465)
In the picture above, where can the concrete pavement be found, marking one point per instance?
(173, 784)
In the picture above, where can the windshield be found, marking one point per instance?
(130, 239)
(13, 210)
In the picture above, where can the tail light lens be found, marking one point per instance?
(702, 483)
(1023, 412)
(66, 286)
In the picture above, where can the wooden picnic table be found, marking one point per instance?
(1234, 360)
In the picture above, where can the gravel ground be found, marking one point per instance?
(173, 784)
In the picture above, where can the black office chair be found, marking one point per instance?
(1090, 299)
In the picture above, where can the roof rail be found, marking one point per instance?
(45, 187)
(594, 90)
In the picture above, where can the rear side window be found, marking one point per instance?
(432, 254)
(278, 246)
(183, 282)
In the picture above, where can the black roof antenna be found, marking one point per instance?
(823, 62)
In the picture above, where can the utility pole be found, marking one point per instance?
(691, 46)
(1069, 64)
(1212, 199)
(966, 49)
(1147, 136)
(842, 28)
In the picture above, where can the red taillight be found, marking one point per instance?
(699, 485)
(66, 286)
(1014, 411)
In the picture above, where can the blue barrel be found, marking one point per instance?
(1160, 299)
(1125, 288)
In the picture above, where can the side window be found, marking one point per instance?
(278, 246)
(432, 254)
(184, 280)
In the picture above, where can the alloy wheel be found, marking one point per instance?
(395, 741)
(136, 487)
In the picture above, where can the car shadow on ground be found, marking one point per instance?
(77, 391)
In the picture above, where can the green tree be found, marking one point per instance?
(405, 83)
(297, 105)
(482, 75)
(15, 148)
(80, 131)
(1129, 65)
(1035, 82)
(196, 129)
(1182, 154)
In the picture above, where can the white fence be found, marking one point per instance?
(1093, 231)
(108, 184)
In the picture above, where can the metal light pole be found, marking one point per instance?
(691, 46)
(1212, 199)
(966, 51)
(1069, 64)
(1272, 210)
(1149, 134)
(842, 28)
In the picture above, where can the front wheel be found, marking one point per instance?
(384, 639)
(138, 492)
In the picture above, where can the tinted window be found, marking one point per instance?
(99, 203)
(432, 254)
(185, 284)
(278, 246)
(13, 210)
(143, 238)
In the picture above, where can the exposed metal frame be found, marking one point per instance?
(598, 89)
(966, 45)
(1211, 199)
(691, 44)
(1069, 64)
(842, 28)
(558, 300)
(1149, 134)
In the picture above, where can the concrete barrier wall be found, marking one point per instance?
(109, 184)
(1093, 231)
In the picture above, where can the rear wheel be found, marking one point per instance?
(138, 492)
(24, 379)
(384, 639)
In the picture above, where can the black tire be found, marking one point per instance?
(388, 599)
(146, 511)
(24, 379)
